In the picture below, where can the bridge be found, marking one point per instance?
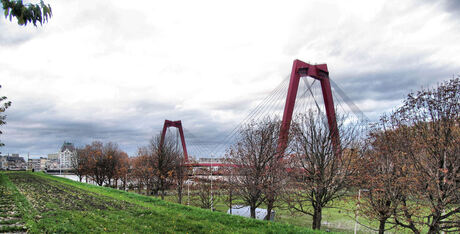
(316, 92)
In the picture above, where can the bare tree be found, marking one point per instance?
(321, 171)
(142, 172)
(203, 196)
(181, 172)
(122, 170)
(383, 173)
(254, 154)
(230, 188)
(430, 120)
(110, 161)
(162, 159)
(95, 162)
(80, 163)
(276, 181)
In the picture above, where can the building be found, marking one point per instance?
(66, 154)
(43, 163)
(13, 162)
(54, 157)
(3, 163)
(39, 164)
(33, 164)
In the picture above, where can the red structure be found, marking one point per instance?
(176, 124)
(320, 73)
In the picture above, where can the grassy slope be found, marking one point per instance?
(138, 213)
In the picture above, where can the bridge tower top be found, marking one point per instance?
(177, 124)
(318, 72)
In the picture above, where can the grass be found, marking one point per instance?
(339, 218)
(13, 215)
(53, 204)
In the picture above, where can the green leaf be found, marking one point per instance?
(7, 11)
(20, 20)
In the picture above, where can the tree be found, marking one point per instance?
(110, 161)
(276, 181)
(160, 164)
(80, 163)
(27, 13)
(142, 172)
(101, 161)
(3, 106)
(321, 171)
(95, 162)
(181, 172)
(383, 173)
(430, 120)
(254, 154)
(122, 170)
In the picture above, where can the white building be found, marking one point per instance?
(66, 154)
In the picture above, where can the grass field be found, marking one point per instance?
(44, 203)
(340, 218)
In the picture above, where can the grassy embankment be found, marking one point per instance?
(339, 217)
(50, 204)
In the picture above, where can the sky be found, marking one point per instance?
(112, 70)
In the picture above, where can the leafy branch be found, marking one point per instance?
(27, 13)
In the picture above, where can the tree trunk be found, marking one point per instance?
(253, 212)
(179, 194)
(434, 226)
(317, 218)
(269, 210)
(382, 225)
(162, 194)
(230, 200)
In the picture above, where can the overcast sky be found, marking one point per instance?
(114, 70)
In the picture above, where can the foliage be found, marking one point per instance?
(100, 162)
(3, 106)
(430, 121)
(411, 171)
(27, 13)
(384, 176)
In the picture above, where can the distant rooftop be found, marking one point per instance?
(67, 145)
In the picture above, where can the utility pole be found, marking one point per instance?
(357, 207)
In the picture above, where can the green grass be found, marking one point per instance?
(339, 218)
(54, 204)
(13, 201)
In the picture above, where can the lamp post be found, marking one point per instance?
(212, 156)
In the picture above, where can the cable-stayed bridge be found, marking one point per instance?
(308, 87)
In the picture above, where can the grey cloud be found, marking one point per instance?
(36, 128)
(452, 6)
(394, 84)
